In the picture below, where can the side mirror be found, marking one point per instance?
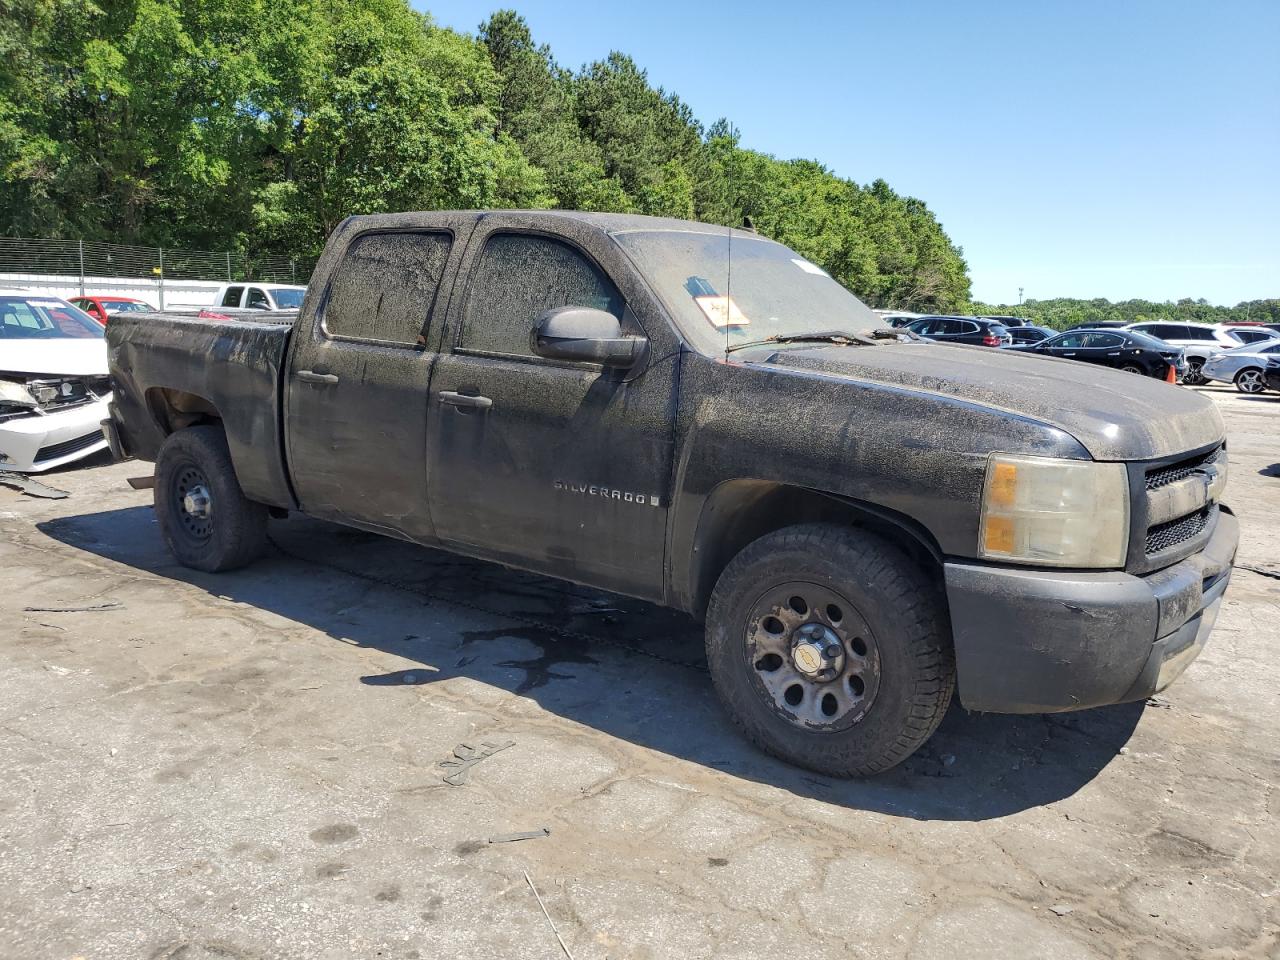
(586, 335)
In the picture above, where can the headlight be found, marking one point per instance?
(1059, 513)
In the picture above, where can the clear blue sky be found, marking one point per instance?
(1116, 149)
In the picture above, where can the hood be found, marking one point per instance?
(1114, 415)
(78, 357)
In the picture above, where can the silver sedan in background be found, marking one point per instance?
(1243, 365)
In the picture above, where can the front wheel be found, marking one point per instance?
(830, 649)
(1250, 380)
(204, 516)
(1193, 377)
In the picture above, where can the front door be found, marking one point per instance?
(1067, 346)
(357, 384)
(549, 465)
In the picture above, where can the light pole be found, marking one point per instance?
(1019, 296)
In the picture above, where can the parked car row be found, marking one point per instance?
(1128, 350)
(1194, 353)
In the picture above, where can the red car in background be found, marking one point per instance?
(100, 307)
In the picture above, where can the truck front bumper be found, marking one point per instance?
(1043, 641)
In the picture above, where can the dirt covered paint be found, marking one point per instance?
(906, 427)
(1114, 415)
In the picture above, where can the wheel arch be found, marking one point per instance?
(738, 512)
(260, 474)
(172, 409)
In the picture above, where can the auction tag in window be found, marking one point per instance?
(722, 311)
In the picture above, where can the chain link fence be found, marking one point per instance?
(83, 258)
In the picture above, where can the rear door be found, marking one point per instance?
(358, 380)
(963, 331)
(550, 465)
(1102, 348)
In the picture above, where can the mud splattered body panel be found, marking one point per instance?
(389, 409)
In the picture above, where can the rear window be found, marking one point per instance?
(1200, 333)
(45, 318)
(998, 330)
(385, 286)
(1139, 339)
(289, 299)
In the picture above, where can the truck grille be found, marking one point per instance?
(1172, 473)
(1163, 536)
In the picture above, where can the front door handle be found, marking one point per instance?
(455, 399)
(310, 376)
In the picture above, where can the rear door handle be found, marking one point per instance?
(455, 399)
(310, 376)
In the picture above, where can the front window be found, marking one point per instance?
(45, 318)
(519, 278)
(767, 291)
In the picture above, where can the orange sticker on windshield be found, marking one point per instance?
(722, 311)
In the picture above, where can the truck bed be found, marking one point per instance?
(175, 370)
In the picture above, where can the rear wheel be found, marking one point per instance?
(204, 516)
(1193, 377)
(1250, 380)
(830, 649)
(1132, 368)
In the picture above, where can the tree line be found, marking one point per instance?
(259, 126)
(1062, 313)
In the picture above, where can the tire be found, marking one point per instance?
(1193, 377)
(1250, 380)
(219, 529)
(863, 596)
(1132, 368)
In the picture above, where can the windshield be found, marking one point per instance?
(125, 306)
(1254, 347)
(288, 299)
(771, 293)
(44, 318)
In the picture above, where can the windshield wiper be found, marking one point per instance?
(835, 336)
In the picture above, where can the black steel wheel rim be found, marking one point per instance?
(193, 506)
(831, 683)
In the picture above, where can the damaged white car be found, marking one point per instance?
(54, 386)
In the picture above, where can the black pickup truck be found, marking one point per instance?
(699, 417)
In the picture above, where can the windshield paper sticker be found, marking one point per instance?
(722, 311)
(808, 267)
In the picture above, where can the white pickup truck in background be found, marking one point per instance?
(260, 296)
